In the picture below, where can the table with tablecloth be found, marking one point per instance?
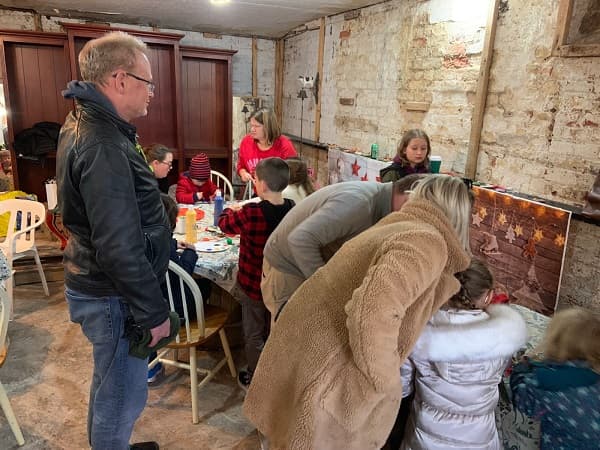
(219, 267)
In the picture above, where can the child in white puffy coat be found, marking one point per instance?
(456, 366)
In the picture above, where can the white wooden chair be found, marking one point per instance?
(209, 321)
(248, 191)
(19, 243)
(222, 183)
(5, 312)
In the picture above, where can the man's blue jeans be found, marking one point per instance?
(119, 386)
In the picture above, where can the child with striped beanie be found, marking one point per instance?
(195, 185)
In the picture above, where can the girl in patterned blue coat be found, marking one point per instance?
(563, 390)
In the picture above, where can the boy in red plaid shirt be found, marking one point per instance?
(255, 222)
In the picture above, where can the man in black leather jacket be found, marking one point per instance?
(118, 249)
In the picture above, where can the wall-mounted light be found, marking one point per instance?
(245, 111)
(219, 2)
(310, 83)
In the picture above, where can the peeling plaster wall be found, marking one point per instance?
(300, 59)
(541, 130)
(580, 284)
(392, 53)
(241, 61)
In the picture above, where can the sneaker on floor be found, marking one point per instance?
(151, 445)
(155, 372)
(244, 379)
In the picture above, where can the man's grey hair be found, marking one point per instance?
(116, 50)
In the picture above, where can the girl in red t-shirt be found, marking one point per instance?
(264, 141)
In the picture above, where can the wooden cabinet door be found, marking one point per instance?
(206, 103)
(36, 70)
(160, 125)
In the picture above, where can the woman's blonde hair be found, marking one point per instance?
(266, 117)
(102, 56)
(573, 334)
(452, 196)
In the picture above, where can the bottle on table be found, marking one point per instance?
(218, 206)
(374, 151)
(191, 236)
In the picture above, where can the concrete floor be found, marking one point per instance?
(47, 375)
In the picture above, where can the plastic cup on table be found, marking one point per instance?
(435, 163)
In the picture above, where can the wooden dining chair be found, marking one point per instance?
(5, 312)
(209, 321)
(20, 238)
(222, 183)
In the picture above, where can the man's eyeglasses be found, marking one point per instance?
(151, 86)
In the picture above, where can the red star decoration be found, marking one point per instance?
(364, 177)
(378, 179)
(355, 167)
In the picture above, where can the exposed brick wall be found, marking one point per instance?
(16, 20)
(541, 132)
(581, 274)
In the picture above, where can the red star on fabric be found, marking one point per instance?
(364, 177)
(355, 167)
(378, 179)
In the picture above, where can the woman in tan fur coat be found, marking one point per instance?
(329, 375)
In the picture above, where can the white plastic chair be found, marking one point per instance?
(19, 243)
(222, 183)
(5, 312)
(209, 320)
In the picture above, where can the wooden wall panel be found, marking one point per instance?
(79, 42)
(222, 102)
(36, 76)
(159, 125)
(205, 106)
